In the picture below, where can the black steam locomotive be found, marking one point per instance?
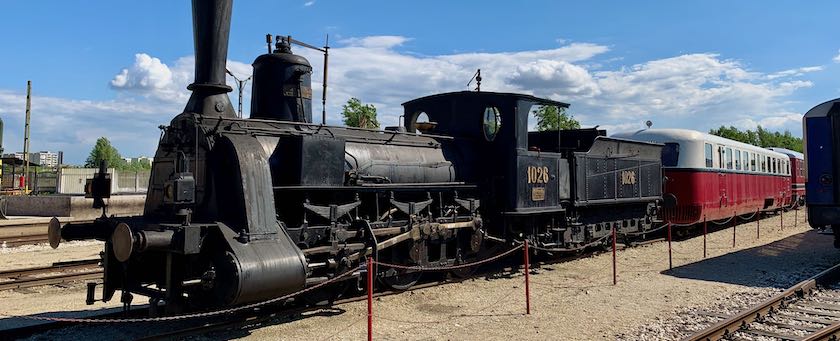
(242, 210)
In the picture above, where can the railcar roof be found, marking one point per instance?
(694, 135)
(488, 94)
(823, 109)
(788, 152)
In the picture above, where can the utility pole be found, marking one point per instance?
(239, 84)
(26, 138)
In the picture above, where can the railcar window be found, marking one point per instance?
(708, 155)
(728, 158)
(752, 162)
(737, 160)
(492, 123)
(763, 163)
(671, 154)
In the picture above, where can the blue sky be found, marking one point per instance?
(119, 68)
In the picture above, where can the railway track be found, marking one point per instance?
(809, 310)
(57, 273)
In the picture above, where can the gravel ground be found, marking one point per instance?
(571, 300)
(42, 254)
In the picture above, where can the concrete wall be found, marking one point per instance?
(72, 180)
(77, 207)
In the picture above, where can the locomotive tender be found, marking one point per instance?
(243, 210)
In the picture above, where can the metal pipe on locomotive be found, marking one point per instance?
(243, 210)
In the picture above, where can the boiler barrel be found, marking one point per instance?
(399, 164)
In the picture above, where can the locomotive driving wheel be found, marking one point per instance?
(402, 278)
(469, 254)
(328, 294)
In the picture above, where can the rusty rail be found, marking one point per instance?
(727, 327)
(59, 273)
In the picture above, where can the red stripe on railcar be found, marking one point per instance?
(717, 195)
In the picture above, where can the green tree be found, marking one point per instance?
(550, 117)
(359, 115)
(103, 150)
(760, 137)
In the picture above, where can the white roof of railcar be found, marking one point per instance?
(688, 135)
(791, 153)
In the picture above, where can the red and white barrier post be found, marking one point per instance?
(670, 258)
(370, 297)
(615, 277)
(527, 281)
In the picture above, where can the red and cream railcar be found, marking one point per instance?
(797, 175)
(714, 178)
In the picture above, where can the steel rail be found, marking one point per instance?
(86, 269)
(727, 327)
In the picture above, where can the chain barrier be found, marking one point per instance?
(449, 268)
(187, 316)
(722, 223)
(572, 249)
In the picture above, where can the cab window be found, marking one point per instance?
(671, 154)
(492, 123)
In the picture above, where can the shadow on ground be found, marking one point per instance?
(17, 328)
(798, 257)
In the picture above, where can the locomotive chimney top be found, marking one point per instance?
(211, 30)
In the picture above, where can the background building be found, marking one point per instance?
(43, 158)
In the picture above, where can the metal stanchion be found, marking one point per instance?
(734, 224)
(670, 258)
(782, 220)
(370, 297)
(795, 217)
(527, 281)
(705, 230)
(757, 227)
(615, 277)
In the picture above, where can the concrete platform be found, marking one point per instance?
(77, 207)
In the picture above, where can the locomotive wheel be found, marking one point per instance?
(328, 294)
(466, 272)
(475, 250)
(402, 279)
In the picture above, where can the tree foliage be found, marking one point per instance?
(760, 137)
(550, 117)
(359, 115)
(103, 150)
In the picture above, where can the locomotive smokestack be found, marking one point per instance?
(211, 29)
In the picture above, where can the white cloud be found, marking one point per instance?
(309, 3)
(794, 72)
(146, 73)
(836, 58)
